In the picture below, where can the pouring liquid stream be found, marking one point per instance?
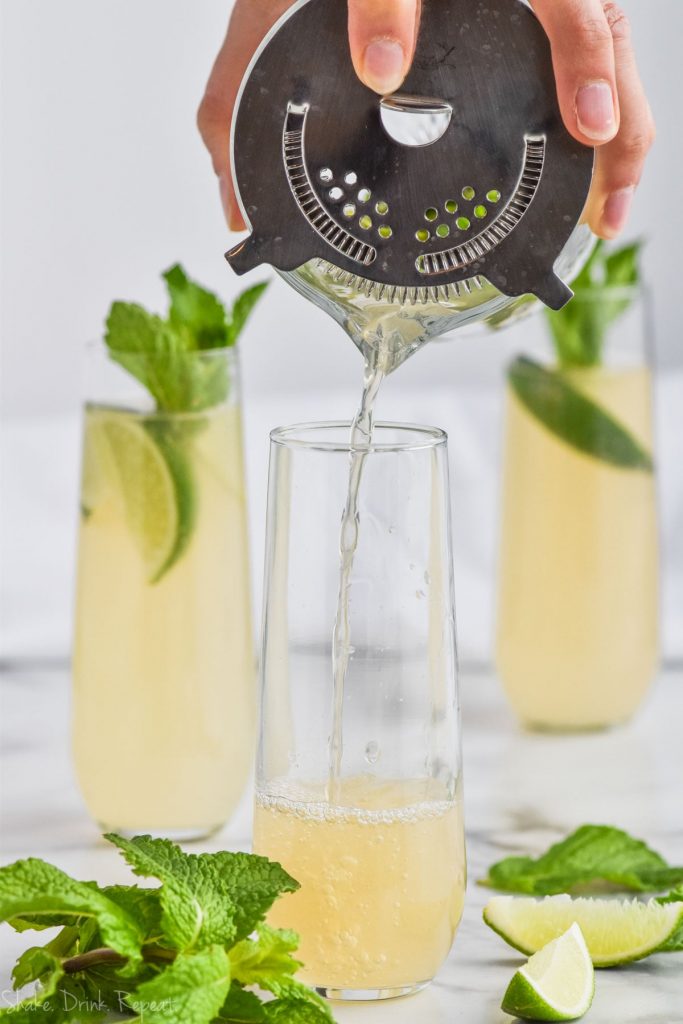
(361, 434)
(387, 332)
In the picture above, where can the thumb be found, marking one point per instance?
(382, 35)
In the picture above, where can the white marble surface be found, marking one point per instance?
(522, 792)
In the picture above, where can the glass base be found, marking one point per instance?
(573, 730)
(177, 835)
(359, 995)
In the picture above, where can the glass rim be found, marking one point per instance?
(98, 347)
(423, 437)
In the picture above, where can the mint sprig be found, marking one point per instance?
(179, 360)
(594, 856)
(165, 354)
(38, 895)
(182, 953)
(579, 334)
(579, 329)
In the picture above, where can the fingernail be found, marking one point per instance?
(383, 65)
(595, 111)
(617, 209)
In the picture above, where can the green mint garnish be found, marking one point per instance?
(190, 990)
(191, 951)
(177, 360)
(593, 856)
(206, 898)
(573, 417)
(163, 353)
(580, 328)
(579, 332)
(37, 895)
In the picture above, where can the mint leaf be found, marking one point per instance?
(37, 964)
(282, 1011)
(143, 905)
(288, 1012)
(150, 350)
(209, 897)
(180, 954)
(190, 991)
(69, 1003)
(242, 307)
(197, 910)
(253, 882)
(594, 855)
(580, 328)
(267, 961)
(196, 310)
(33, 887)
(172, 358)
(241, 1007)
(573, 417)
(162, 358)
(58, 999)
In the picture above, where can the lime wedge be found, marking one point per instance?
(153, 478)
(557, 983)
(616, 931)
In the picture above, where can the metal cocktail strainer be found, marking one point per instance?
(464, 180)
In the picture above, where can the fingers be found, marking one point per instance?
(382, 35)
(249, 22)
(583, 58)
(602, 100)
(620, 162)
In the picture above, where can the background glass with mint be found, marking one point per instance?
(163, 711)
(577, 638)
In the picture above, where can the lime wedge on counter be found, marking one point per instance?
(557, 983)
(153, 478)
(616, 931)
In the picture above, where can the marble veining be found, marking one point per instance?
(522, 792)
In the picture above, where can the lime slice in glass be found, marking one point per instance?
(616, 931)
(154, 481)
(557, 983)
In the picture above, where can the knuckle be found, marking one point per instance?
(592, 35)
(637, 145)
(617, 22)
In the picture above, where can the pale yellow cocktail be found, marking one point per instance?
(382, 876)
(163, 660)
(577, 638)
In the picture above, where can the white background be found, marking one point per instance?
(105, 183)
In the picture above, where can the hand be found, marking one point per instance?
(599, 89)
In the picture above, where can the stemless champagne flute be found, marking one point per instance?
(164, 708)
(578, 586)
(375, 833)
